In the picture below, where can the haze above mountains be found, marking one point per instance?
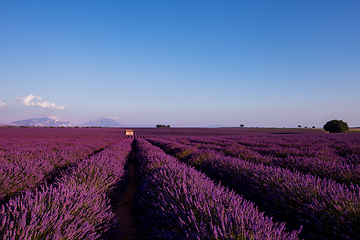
(53, 122)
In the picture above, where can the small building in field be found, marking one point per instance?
(129, 132)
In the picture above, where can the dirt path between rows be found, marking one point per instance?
(122, 208)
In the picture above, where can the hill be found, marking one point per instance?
(42, 122)
(103, 122)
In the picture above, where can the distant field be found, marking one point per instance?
(223, 131)
(354, 129)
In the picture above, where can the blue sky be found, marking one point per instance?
(183, 63)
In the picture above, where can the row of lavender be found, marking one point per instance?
(325, 155)
(326, 209)
(76, 206)
(174, 201)
(25, 164)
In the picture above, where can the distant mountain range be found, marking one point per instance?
(103, 122)
(54, 122)
(42, 122)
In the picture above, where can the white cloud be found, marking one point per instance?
(32, 100)
(1, 104)
(26, 100)
(48, 105)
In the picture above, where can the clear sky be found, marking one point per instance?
(184, 63)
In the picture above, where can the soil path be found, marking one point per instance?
(122, 208)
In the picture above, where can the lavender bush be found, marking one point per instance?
(26, 164)
(177, 202)
(326, 158)
(327, 210)
(76, 207)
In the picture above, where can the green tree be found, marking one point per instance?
(161, 125)
(336, 126)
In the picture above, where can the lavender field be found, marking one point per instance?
(189, 183)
